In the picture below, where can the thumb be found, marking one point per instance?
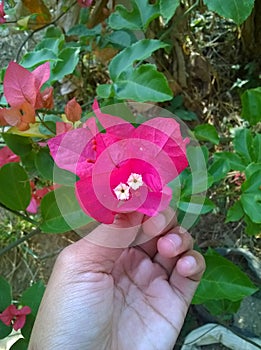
(100, 248)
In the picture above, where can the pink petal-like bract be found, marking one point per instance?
(16, 316)
(19, 85)
(22, 86)
(7, 156)
(155, 152)
(2, 12)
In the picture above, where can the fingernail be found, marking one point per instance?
(175, 240)
(190, 261)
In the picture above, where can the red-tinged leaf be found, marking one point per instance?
(41, 74)
(19, 85)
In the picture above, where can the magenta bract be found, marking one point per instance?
(114, 160)
(14, 316)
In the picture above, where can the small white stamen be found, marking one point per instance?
(135, 181)
(122, 191)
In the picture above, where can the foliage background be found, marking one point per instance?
(194, 58)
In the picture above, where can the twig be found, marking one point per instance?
(41, 28)
(19, 241)
(24, 217)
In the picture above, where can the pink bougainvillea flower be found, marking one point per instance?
(73, 110)
(85, 3)
(22, 90)
(37, 195)
(2, 13)
(62, 127)
(7, 156)
(14, 316)
(47, 98)
(123, 169)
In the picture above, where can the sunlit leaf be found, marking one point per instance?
(143, 84)
(222, 280)
(136, 52)
(237, 10)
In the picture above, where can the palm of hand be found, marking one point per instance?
(141, 306)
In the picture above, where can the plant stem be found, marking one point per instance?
(19, 241)
(24, 217)
(45, 125)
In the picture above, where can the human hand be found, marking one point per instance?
(120, 298)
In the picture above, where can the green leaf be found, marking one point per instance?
(44, 163)
(53, 32)
(67, 61)
(243, 143)
(252, 206)
(197, 157)
(5, 295)
(253, 183)
(251, 105)
(20, 145)
(251, 169)
(138, 18)
(104, 90)
(185, 114)
(206, 132)
(4, 330)
(138, 51)
(61, 211)
(168, 9)
(15, 190)
(222, 307)
(251, 197)
(81, 30)
(32, 297)
(121, 38)
(196, 182)
(143, 84)
(53, 44)
(20, 344)
(35, 58)
(236, 10)
(196, 205)
(257, 147)
(235, 160)
(222, 280)
(49, 170)
(219, 169)
(252, 228)
(235, 213)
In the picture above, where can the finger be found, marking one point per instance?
(120, 234)
(187, 274)
(154, 227)
(99, 249)
(171, 246)
(191, 265)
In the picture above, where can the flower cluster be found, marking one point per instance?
(122, 168)
(14, 316)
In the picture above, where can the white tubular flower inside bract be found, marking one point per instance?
(122, 191)
(135, 181)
